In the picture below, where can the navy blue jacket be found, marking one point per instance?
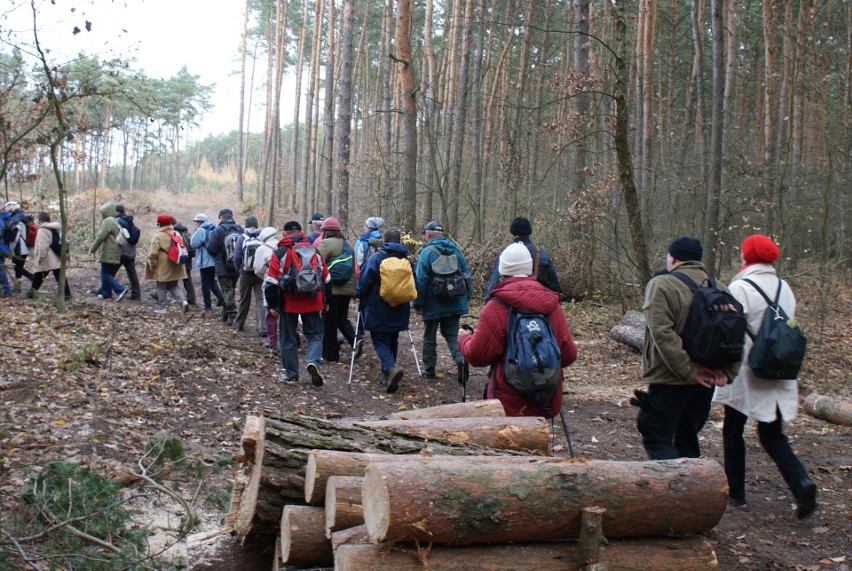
(216, 246)
(377, 315)
(546, 272)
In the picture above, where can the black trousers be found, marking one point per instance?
(39, 278)
(209, 285)
(18, 262)
(337, 317)
(773, 440)
(129, 265)
(671, 418)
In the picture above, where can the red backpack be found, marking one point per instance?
(32, 232)
(177, 253)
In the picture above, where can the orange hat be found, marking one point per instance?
(759, 249)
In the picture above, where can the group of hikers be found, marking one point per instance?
(309, 280)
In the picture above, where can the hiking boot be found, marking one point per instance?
(290, 379)
(220, 302)
(153, 295)
(394, 377)
(316, 376)
(30, 293)
(385, 378)
(122, 294)
(429, 373)
(806, 499)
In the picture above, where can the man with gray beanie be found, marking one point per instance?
(248, 283)
(225, 270)
(680, 390)
(543, 271)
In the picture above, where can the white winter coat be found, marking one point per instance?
(269, 237)
(759, 398)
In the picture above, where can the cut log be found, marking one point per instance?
(343, 503)
(353, 536)
(529, 434)
(631, 330)
(460, 502)
(273, 468)
(303, 540)
(828, 408)
(322, 464)
(687, 554)
(491, 407)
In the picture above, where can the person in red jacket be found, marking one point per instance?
(291, 305)
(487, 345)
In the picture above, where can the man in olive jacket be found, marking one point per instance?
(680, 391)
(109, 243)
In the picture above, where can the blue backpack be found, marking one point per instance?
(533, 361)
(4, 224)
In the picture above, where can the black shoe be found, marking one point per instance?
(736, 503)
(394, 377)
(316, 376)
(806, 500)
(220, 302)
(385, 377)
(429, 373)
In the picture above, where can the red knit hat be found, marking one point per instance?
(330, 223)
(759, 249)
(164, 220)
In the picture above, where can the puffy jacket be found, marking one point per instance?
(376, 315)
(199, 240)
(546, 272)
(216, 246)
(238, 253)
(159, 267)
(667, 303)
(45, 258)
(760, 398)
(290, 302)
(487, 345)
(107, 236)
(330, 248)
(269, 237)
(435, 307)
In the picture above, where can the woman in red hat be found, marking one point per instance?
(768, 402)
(160, 268)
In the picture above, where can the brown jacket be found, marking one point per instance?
(158, 266)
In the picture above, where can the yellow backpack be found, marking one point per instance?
(396, 284)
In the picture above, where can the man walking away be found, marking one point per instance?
(128, 251)
(188, 286)
(316, 224)
(543, 270)
(204, 261)
(269, 238)
(221, 246)
(249, 284)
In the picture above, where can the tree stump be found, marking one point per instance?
(828, 408)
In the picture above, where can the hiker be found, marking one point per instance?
(109, 241)
(221, 246)
(383, 321)
(248, 283)
(677, 402)
(770, 403)
(204, 261)
(438, 307)
(488, 344)
(369, 241)
(269, 242)
(290, 305)
(336, 316)
(18, 247)
(5, 252)
(521, 229)
(47, 256)
(159, 267)
(316, 224)
(188, 285)
(128, 251)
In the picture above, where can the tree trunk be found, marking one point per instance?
(631, 330)
(460, 502)
(409, 110)
(717, 130)
(343, 503)
(770, 105)
(300, 65)
(272, 468)
(307, 156)
(303, 540)
(326, 159)
(460, 112)
(344, 120)
(828, 408)
(241, 131)
(687, 554)
(476, 95)
(647, 80)
(491, 407)
(581, 101)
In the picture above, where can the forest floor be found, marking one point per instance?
(96, 384)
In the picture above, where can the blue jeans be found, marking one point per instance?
(387, 347)
(108, 282)
(288, 340)
(4, 278)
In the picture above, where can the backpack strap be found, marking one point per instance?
(536, 260)
(762, 293)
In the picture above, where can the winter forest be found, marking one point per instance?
(614, 126)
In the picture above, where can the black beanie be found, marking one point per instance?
(520, 226)
(686, 248)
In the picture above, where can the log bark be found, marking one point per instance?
(353, 536)
(272, 469)
(687, 554)
(631, 330)
(303, 540)
(323, 464)
(477, 408)
(828, 408)
(343, 503)
(460, 502)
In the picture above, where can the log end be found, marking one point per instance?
(376, 504)
(330, 506)
(310, 479)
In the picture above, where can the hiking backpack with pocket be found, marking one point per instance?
(303, 273)
(778, 348)
(122, 235)
(341, 268)
(55, 242)
(448, 279)
(250, 246)
(533, 361)
(231, 246)
(714, 334)
(8, 233)
(32, 231)
(177, 252)
(396, 281)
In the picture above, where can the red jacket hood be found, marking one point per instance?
(527, 294)
(291, 239)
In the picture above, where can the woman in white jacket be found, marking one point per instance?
(769, 402)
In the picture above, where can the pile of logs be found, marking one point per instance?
(464, 492)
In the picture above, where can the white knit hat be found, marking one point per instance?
(515, 261)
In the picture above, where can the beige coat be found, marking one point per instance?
(159, 267)
(45, 259)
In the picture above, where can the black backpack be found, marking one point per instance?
(714, 334)
(779, 347)
(55, 242)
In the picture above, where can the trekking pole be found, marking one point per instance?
(352, 357)
(464, 370)
(567, 434)
(414, 352)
